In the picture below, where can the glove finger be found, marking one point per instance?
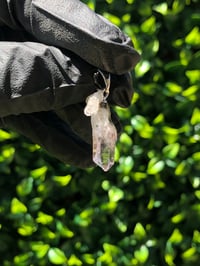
(80, 123)
(121, 90)
(57, 139)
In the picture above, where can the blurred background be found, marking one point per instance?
(146, 209)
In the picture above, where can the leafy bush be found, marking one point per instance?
(146, 210)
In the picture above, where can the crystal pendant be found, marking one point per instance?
(93, 102)
(104, 133)
(104, 136)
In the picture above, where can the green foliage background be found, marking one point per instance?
(146, 210)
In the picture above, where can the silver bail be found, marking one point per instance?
(107, 82)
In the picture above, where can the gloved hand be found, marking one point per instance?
(70, 24)
(43, 88)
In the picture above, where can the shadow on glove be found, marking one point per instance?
(55, 136)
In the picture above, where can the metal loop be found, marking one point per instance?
(107, 84)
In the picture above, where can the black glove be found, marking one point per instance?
(43, 88)
(70, 24)
(41, 79)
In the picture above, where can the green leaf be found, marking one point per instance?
(125, 164)
(196, 236)
(111, 249)
(178, 218)
(171, 151)
(130, 2)
(190, 93)
(22, 259)
(44, 218)
(39, 173)
(142, 126)
(170, 130)
(142, 254)
(89, 259)
(182, 168)
(171, 135)
(40, 249)
(149, 25)
(177, 6)
(115, 194)
(62, 180)
(87, 213)
(27, 229)
(47, 234)
(5, 135)
(139, 176)
(109, 207)
(82, 221)
(176, 236)
(189, 253)
(139, 231)
(7, 154)
(63, 230)
(193, 76)
(193, 37)
(196, 156)
(142, 68)
(17, 206)
(161, 8)
(195, 119)
(138, 122)
(92, 4)
(173, 87)
(155, 166)
(126, 140)
(121, 225)
(27, 226)
(159, 119)
(169, 258)
(152, 48)
(56, 256)
(74, 261)
(25, 186)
